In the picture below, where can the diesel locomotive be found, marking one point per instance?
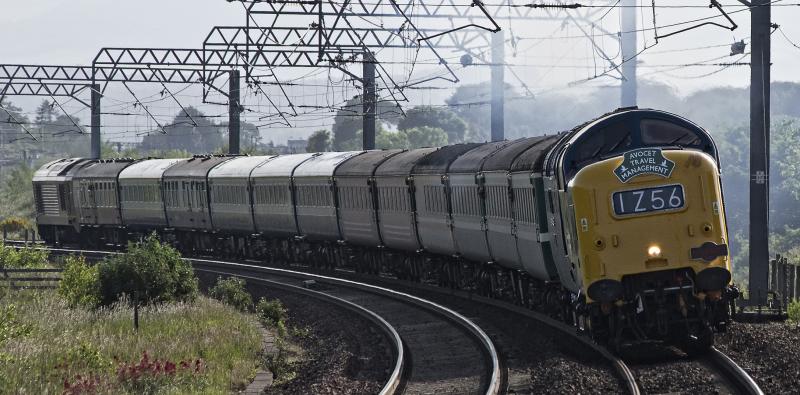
(616, 226)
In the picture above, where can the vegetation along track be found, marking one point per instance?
(440, 351)
(426, 342)
(667, 370)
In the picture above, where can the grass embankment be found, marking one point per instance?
(81, 338)
(194, 347)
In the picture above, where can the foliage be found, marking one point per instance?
(150, 272)
(424, 136)
(23, 258)
(784, 194)
(272, 314)
(80, 283)
(198, 347)
(15, 224)
(320, 141)
(10, 326)
(428, 117)
(349, 120)
(146, 376)
(794, 311)
(190, 130)
(232, 292)
(16, 193)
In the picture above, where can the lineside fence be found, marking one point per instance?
(30, 278)
(784, 277)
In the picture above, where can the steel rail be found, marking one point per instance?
(733, 372)
(395, 379)
(493, 387)
(623, 371)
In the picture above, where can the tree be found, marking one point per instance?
(10, 130)
(435, 117)
(349, 120)
(191, 130)
(320, 141)
(250, 136)
(44, 114)
(426, 137)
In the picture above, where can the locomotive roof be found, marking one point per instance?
(472, 161)
(197, 166)
(626, 129)
(238, 167)
(533, 157)
(365, 164)
(324, 164)
(103, 168)
(439, 161)
(402, 163)
(147, 169)
(281, 166)
(57, 170)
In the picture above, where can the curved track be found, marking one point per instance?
(667, 370)
(428, 360)
(737, 377)
(440, 351)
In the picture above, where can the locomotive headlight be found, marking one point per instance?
(654, 251)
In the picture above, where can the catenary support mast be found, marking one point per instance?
(369, 102)
(95, 122)
(759, 150)
(234, 112)
(629, 86)
(498, 86)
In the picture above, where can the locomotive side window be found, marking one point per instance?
(663, 133)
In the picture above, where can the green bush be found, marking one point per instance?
(23, 258)
(231, 291)
(150, 272)
(794, 311)
(80, 283)
(270, 312)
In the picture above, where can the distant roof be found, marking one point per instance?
(532, 158)
(148, 169)
(57, 169)
(324, 164)
(365, 164)
(197, 166)
(503, 159)
(473, 160)
(281, 166)
(103, 168)
(403, 163)
(238, 167)
(439, 161)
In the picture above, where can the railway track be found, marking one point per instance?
(726, 375)
(437, 350)
(666, 370)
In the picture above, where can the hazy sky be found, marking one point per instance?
(71, 32)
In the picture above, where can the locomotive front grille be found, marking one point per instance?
(50, 204)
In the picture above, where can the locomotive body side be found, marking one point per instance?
(56, 216)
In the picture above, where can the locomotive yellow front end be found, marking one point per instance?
(652, 239)
(652, 245)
